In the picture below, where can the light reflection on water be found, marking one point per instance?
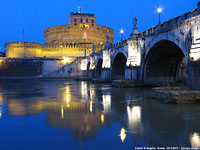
(82, 115)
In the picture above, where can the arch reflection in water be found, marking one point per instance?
(87, 92)
(134, 118)
(195, 140)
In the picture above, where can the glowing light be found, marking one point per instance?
(195, 140)
(121, 31)
(122, 134)
(159, 10)
(102, 118)
(67, 60)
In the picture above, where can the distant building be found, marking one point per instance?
(66, 40)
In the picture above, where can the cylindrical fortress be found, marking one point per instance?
(71, 40)
(82, 30)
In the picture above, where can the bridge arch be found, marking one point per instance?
(119, 65)
(163, 62)
(99, 67)
(168, 37)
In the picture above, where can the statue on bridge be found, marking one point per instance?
(108, 44)
(135, 22)
(135, 29)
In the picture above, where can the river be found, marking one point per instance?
(71, 115)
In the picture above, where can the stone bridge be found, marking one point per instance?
(166, 53)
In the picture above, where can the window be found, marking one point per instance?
(75, 24)
(84, 26)
(92, 21)
(81, 20)
(74, 20)
(86, 20)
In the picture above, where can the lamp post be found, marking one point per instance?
(159, 10)
(121, 31)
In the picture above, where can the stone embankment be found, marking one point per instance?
(176, 95)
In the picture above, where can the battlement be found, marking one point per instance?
(23, 44)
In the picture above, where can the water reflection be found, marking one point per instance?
(122, 135)
(90, 110)
(134, 118)
(195, 140)
(107, 104)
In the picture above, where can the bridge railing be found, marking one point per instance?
(169, 24)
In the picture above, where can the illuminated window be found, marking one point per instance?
(84, 26)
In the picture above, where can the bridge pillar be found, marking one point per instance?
(132, 73)
(133, 62)
(82, 67)
(106, 66)
(193, 79)
(91, 67)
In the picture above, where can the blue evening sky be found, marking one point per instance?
(36, 15)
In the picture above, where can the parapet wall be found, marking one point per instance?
(25, 49)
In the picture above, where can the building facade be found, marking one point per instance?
(72, 40)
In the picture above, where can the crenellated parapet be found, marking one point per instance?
(23, 44)
(26, 49)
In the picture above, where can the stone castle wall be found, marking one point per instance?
(25, 49)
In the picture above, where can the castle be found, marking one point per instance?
(74, 40)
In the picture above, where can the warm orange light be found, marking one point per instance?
(67, 60)
(102, 118)
(67, 97)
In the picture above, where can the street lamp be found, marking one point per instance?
(121, 31)
(159, 10)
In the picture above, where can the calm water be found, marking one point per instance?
(65, 115)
